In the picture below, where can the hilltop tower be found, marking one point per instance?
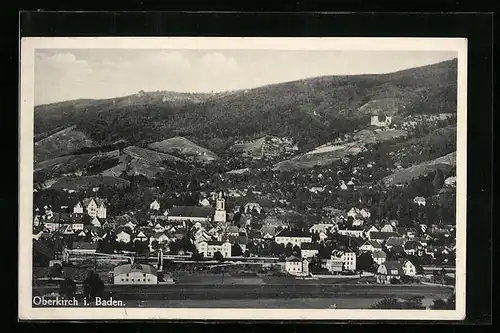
(220, 208)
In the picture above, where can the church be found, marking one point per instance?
(200, 214)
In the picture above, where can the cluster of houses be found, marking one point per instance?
(209, 227)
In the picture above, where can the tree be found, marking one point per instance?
(155, 245)
(196, 256)
(93, 286)
(441, 304)
(438, 181)
(393, 303)
(55, 271)
(218, 256)
(67, 288)
(236, 250)
(246, 254)
(364, 262)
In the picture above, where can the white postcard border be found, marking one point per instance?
(26, 142)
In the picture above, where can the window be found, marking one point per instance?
(123, 279)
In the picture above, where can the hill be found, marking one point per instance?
(253, 148)
(60, 143)
(310, 111)
(150, 156)
(323, 155)
(183, 147)
(87, 182)
(405, 176)
(329, 153)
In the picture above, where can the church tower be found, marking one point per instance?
(220, 208)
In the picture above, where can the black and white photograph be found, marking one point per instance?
(243, 178)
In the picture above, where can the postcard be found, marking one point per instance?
(242, 178)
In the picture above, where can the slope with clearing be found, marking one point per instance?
(405, 176)
(183, 147)
(61, 143)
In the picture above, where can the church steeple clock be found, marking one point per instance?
(220, 208)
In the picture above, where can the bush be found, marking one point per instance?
(67, 288)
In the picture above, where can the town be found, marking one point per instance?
(334, 242)
(191, 197)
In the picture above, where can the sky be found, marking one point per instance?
(67, 74)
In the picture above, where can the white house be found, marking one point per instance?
(320, 227)
(370, 246)
(387, 228)
(348, 259)
(296, 266)
(135, 274)
(77, 226)
(209, 248)
(293, 237)
(95, 222)
(141, 237)
(123, 237)
(204, 203)
(309, 250)
(409, 268)
(155, 205)
(419, 201)
(351, 232)
(94, 207)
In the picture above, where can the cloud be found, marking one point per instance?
(60, 75)
(171, 60)
(216, 61)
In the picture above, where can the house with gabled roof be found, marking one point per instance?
(123, 237)
(382, 236)
(297, 266)
(295, 237)
(409, 268)
(370, 246)
(94, 207)
(379, 257)
(191, 213)
(309, 250)
(394, 241)
(389, 270)
(155, 205)
(412, 247)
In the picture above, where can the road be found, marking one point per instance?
(207, 292)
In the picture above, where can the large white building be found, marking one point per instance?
(209, 248)
(348, 259)
(94, 207)
(135, 274)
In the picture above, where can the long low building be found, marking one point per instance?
(191, 213)
(135, 274)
